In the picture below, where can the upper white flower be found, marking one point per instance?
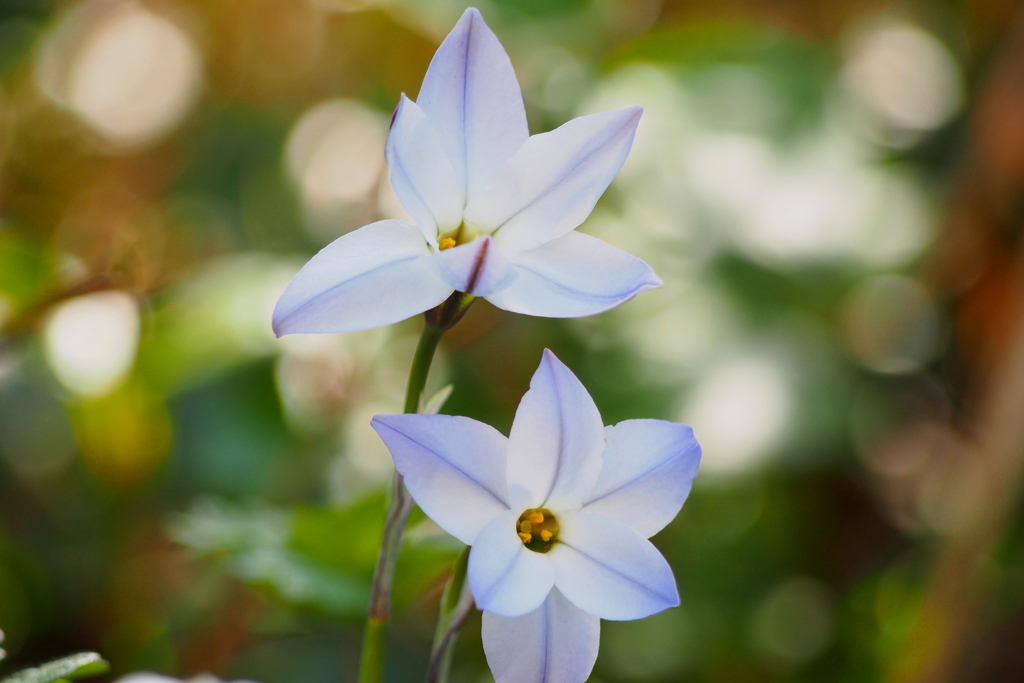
(558, 515)
(495, 208)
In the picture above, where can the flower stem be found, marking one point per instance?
(371, 663)
(425, 349)
(456, 606)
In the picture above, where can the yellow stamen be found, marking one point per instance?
(538, 529)
(446, 243)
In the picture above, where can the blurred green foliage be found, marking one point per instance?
(320, 558)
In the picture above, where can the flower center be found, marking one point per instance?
(458, 236)
(538, 529)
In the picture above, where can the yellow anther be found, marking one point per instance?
(538, 529)
(446, 243)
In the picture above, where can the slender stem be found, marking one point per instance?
(399, 506)
(429, 338)
(441, 659)
(456, 606)
(371, 664)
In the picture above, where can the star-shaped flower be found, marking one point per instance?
(157, 678)
(558, 516)
(495, 209)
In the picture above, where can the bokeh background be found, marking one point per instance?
(832, 190)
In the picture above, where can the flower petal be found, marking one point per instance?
(420, 172)
(471, 95)
(572, 276)
(608, 569)
(554, 448)
(649, 466)
(551, 184)
(505, 577)
(555, 643)
(478, 267)
(454, 468)
(157, 678)
(373, 276)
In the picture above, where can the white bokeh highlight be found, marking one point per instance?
(128, 73)
(90, 341)
(742, 409)
(333, 153)
(904, 76)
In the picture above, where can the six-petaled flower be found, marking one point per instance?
(495, 209)
(558, 516)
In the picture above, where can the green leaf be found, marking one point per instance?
(81, 665)
(435, 403)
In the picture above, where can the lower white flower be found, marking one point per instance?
(558, 516)
(157, 678)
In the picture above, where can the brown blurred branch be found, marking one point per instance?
(982, 257)
(959, 585)
(29, 318)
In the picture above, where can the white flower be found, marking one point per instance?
(495, 209)
(558, 515)
(157, 678)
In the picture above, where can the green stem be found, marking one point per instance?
(429, 339)
(371, 664)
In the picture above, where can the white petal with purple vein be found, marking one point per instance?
(420, 173)
(554, 448)
(551, 184)
(454, 468)
(376, 275)
(478, 267)
(572, 276)
(555, 643)
(649, 466)
(608, 569)
(471, 96)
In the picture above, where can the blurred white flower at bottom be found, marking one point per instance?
(157, 678)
